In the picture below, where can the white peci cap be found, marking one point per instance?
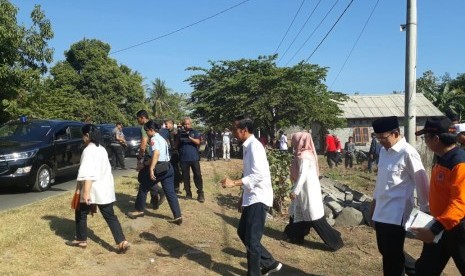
(460, 128)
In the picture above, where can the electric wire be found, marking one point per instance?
(288, 28)
(316, 28)
(180, 29)
(355, 44)
(301, 29)
(334, 25)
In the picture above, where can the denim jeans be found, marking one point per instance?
(167, 183)
(250, 231)
(109, 216)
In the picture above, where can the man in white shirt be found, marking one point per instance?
(257, 198)
(400, 171)
(282, 141)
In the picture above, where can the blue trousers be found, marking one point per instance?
(250, 231)
(167, 183)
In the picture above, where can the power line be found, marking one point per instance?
(301, 29)
(334, 25)
(316, 28)
(180, 29)
(353, 47)
(303, 1)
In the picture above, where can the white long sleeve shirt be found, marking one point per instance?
(256, 182)
(400, 171)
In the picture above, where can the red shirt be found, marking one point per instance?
(330, 143)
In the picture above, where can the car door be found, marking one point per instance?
(68, 147)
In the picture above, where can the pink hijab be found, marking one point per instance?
(303, 146)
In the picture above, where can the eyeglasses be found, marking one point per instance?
(383, 138)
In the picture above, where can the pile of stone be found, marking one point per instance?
(344, 206)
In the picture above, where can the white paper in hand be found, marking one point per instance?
(419, 219)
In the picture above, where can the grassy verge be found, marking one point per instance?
(32, 238)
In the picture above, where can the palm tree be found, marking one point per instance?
(158, 99)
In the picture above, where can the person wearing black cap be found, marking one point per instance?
(447, 201)
(400, 171)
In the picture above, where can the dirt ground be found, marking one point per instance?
(206, 243)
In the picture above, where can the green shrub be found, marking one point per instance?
(279, 168)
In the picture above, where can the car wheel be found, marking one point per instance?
(43, 179)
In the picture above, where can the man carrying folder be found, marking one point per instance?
(446, 201)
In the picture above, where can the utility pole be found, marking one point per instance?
(410, 71)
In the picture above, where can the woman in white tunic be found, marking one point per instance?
(306, 210)
(96, 188)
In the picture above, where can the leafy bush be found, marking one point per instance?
(279, 168)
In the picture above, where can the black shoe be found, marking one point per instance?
(201, 198)
(188, 196)
(155, 202)
(161, 199)
(275, 267)
(177, 221)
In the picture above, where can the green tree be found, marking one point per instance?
(165, 103)
(24, 54)
(274, 96)
(90, 83)
(445, 93)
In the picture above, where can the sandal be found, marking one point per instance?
(134, 214)
(123, 247)
(80, 244)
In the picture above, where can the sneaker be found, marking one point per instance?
(201, 198)
(275, 267)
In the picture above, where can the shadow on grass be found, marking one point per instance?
(228, 201)
(278, 235)
(65, 228)
(125, 203)
(178, 249)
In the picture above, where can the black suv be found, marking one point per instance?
(35, 152)
(133, 137)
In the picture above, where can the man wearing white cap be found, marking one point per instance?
(460, 134)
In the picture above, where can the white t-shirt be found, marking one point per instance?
(226, 137)
(95, 166)
(283, 142)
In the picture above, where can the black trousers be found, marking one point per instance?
(185, 167)
(109, 216)
(250, 231)
(296, 232)
(174, 160)
(117, 158)
(390, 239)
(435, 256)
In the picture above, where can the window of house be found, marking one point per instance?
(361, 135)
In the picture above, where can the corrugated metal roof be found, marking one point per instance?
(386, 105)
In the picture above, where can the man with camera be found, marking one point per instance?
(188, 143)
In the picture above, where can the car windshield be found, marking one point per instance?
(132, 131)
(30, 131)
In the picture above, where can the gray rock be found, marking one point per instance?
(349, 216)
(336, 207)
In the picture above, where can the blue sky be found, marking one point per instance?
(256, 27)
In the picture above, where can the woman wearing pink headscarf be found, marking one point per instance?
(306, 210)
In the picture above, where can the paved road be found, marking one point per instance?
(13, 198)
